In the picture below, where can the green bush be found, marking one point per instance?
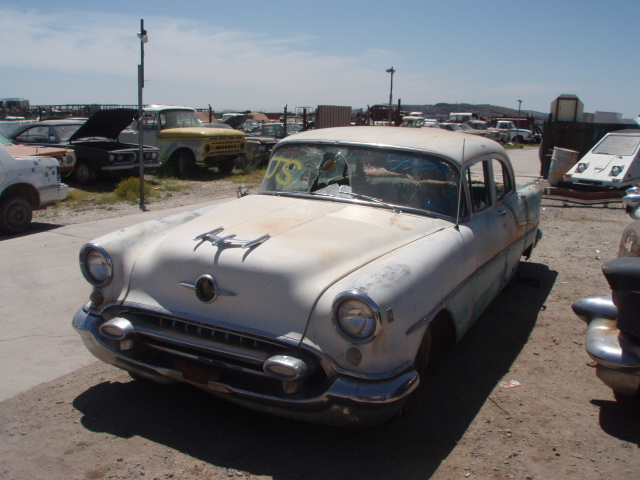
(129, 189)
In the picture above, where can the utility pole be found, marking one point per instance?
(391, 71)
(143, 39)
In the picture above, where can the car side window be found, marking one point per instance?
(501, 179)
(35, 134)
(150, 121)
(479, 185)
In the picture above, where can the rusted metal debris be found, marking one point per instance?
(583, 198)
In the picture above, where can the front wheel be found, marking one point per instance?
(84, 174)
(424, 352)
(15, 215)
(182, 163)
(518, 139)
(226, 166)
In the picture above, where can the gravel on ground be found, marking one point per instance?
(517, 398)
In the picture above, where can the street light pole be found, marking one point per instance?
(519, 105)
(143, 39)
(391, 71)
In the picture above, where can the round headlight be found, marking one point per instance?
(616, 170)
(96, 265)
(356, 315)
(582, 167)
(112, 158)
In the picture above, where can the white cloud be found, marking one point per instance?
(238, 67)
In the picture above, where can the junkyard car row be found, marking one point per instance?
(323, 296)
(97, 150)
(320, 297)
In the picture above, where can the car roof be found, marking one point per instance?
(54, 122)
(438, 141)
(158, 108)
(20, 129)
(628, 131)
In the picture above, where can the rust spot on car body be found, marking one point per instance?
(398, 221)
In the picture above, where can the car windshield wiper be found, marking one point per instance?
(353, 195)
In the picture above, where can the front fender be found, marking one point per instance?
(125, 245)
(409, 285)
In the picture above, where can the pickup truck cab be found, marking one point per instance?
(27, 184)
(184, 142)
(510, 133)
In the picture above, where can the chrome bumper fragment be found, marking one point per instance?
(617, 359)
(348, 402)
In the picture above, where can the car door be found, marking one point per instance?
(491, 224)
(508, 198)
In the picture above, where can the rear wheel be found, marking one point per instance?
(15, 215)
(518, 139)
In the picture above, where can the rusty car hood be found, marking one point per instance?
(272, 287)
(34, 151)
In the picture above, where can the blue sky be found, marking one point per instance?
(263, 55)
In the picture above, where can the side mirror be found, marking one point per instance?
(242, 191)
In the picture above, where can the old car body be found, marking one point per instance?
(184, 142)
(412, 121)
(482, 128)
(452, 127)
(613, 163)
(319, 297)
(65, 156)
(27, 184)
(94, 142)
(613, 324)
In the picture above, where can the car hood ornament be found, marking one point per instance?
(229, 240)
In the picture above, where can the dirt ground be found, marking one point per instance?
(561, 422)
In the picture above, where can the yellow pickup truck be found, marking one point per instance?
(184, 142)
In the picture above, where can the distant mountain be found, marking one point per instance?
(442, 110)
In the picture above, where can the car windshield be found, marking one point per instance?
(178, 119)
(269, 130)
(384, 176)
(4, 140)
(618, 145)
(64, 132)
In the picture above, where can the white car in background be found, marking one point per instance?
(613, 163)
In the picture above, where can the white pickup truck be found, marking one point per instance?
(510, 133)
(27, 184)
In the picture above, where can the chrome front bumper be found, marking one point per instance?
(617, 359)
(348, 402)
(112, 167)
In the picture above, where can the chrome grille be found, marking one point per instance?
(218, 354)
(209, 339)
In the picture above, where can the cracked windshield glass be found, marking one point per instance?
(408, 180)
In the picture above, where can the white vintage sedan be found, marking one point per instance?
(321, 296)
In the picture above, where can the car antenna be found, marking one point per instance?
(460, 187)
